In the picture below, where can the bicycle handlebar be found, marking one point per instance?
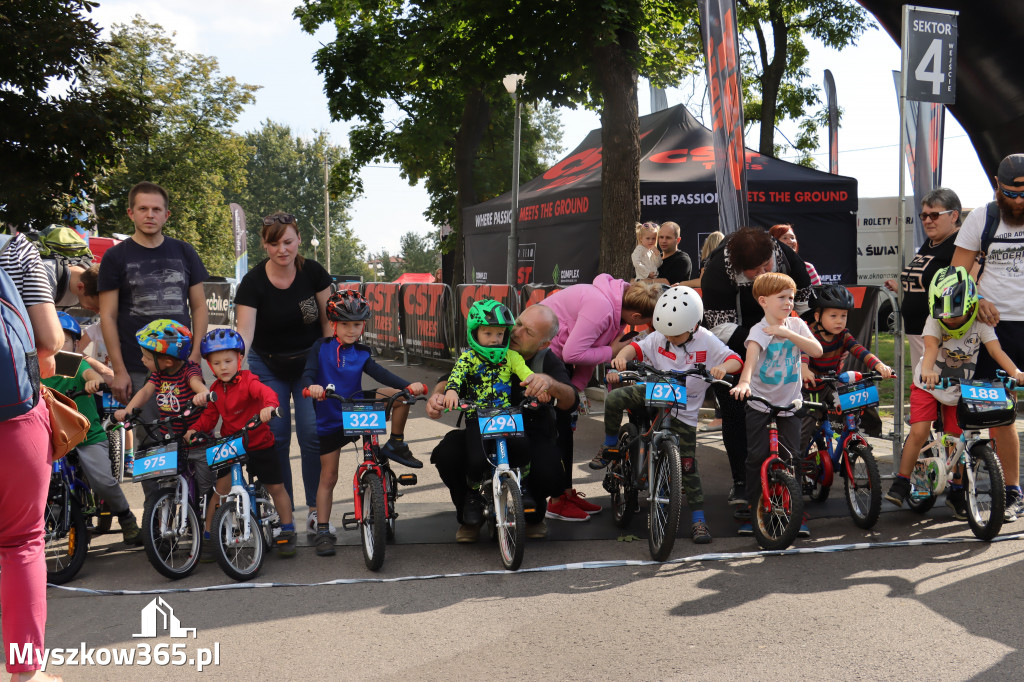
(638, 371)
(524, 404)
(796, 406)
(253, 423)
(1008, 382)
(403, 393)
(850, 377)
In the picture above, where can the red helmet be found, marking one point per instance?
(347, 305)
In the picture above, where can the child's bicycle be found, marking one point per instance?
(945, 458)
(846, 451)
(650, 452)
(779, 511)
(171, 527)
(374, 484)
(502, 488)
(244, 523)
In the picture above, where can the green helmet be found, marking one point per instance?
(489, 313)
(953, 293)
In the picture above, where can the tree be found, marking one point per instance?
(55, 135)
(187, 145)
(286, 173)
(419, 252)
(389, 270)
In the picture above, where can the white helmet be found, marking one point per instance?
(679, 310)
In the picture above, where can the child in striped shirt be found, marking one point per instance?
(831, 304)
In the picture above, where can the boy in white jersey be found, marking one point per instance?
(677, 343)
(772, 371)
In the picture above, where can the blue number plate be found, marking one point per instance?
(857, 396)
(982, 392)
(225, 452)
(157, 462)
(363, 419)
(661, 393)
(505, 424)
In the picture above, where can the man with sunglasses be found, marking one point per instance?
(145, 278)
(1001, 287)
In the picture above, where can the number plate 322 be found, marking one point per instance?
(363, 421)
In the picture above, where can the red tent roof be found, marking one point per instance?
(415, 277)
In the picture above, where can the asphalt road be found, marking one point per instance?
(948, 611)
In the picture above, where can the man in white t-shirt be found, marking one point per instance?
(1001, 286)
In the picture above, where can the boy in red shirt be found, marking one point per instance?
(240, 395)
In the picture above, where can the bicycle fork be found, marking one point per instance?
(240, 494)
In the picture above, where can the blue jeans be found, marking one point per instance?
(305, 430)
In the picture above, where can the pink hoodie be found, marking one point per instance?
(589, 319)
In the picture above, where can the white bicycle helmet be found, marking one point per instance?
(679, 310)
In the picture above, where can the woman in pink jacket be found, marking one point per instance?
(591, 318)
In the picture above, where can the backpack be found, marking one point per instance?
(60, 248)
(988, 233)
(19, 364)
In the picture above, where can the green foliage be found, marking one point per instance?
(420, 252)
(187, 145)
(56, 129)
(286, 173)
(390, 270)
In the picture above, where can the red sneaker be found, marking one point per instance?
(564, 509)
(577, 499)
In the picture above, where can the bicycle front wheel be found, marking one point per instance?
(864, 491)
(115, 443)
(665, 501)
(240, 557)
(172, 551)
(510, 523)
(67, 540)
(986, 496)
(776, 526)
(373, 529)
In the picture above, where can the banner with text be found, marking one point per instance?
(425, 312)
(535, 293)
(220, 301)
(241, 241)
(832, 103)
(382, 327)
(467, 294)
(930, 54)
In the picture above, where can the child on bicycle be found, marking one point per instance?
(677, 343)
(830, 305)
(771, 371)
(342, 361)
(953, 336)
(94, 452)
(175, 381)
(240, 396)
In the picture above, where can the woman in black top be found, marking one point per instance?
(280, 312)
(730, 310)
(940, 216)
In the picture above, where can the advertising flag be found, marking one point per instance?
(241, 241)
(833, 123)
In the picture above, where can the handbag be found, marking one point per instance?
(286, 366)
(68, 426)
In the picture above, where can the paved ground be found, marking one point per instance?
(947, 610)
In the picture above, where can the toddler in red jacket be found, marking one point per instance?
(239, 397)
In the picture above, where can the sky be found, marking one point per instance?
(258, 42)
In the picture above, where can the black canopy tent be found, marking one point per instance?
(560, 210)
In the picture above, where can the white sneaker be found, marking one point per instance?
(311, 524)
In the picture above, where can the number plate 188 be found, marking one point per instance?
(983, 393)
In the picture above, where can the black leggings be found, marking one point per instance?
(734, 432)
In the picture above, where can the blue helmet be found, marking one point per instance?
(70, 324)
(221, 339)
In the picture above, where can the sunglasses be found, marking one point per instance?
(934, 215)
(1011, 195)
(283, 218)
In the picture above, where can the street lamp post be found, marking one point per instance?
(511, 82)
(314, 242)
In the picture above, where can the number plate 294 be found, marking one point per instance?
(501, 425)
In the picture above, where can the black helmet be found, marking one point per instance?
(831, 296)
(347, 305)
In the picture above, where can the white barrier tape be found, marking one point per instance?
(577, 566)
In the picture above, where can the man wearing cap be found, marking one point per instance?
(1001, 286)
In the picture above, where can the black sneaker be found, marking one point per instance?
(700, 533)
(207, 555)
(324, 543)
(1013, 507)
(898, 491)
(473, 509)
(286, 544)
(743, 513)
(737, 495)
(400, 452)
(604, 457)
(957, 501)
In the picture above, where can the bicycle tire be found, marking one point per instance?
(776, 528)
(67, 540)
(373, 529)
(624, 497)
(921, 505)
(239, 558)
(173, 556)
(115, 444)
(812, 470)
(665, 501)
(864, 492)
(510, 523)
(986, 494)
(391, 496)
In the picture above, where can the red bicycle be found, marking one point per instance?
(374, 484)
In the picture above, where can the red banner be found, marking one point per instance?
(535, 293)
(468, 294)
(382, 327)
(425, 312)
